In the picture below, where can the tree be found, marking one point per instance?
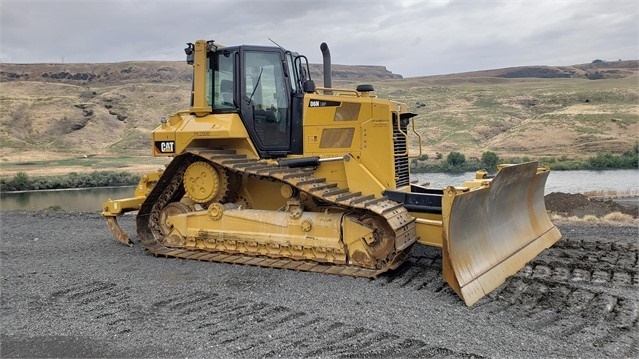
(490, 160)
(455, 159)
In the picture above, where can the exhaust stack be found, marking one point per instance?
(326, 59)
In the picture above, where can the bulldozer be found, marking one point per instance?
(268, 169)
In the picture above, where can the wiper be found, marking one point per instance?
(256, 84)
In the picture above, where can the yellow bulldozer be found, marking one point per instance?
(269, 170)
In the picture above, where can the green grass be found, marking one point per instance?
(90, 163)
(97, 162)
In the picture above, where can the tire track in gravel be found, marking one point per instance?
(104, 302)
(422, 271)
(246, 328)
(578, 290)
(255, 328)
(585, 290)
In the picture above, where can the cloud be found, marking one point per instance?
(413, 38)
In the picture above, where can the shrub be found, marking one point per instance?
(604, 160)
(490, 160)
(455, 159)
(618, 217)
(22, 182)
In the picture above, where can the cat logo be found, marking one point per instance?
(165, 146)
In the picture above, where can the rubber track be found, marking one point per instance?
(169, 189)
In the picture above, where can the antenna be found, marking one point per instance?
(278, 45)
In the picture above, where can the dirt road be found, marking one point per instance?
(69, 290)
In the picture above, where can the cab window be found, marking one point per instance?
(267, 94)
(223, 79)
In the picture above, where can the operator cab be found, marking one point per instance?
(265, 86)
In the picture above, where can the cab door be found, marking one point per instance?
(265, 94)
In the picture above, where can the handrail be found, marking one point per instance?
(332, 89)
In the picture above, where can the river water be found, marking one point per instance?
(607, 183)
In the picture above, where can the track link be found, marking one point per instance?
(169, 189)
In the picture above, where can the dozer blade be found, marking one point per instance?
(490, 233)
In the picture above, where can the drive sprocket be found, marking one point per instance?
(206, 183)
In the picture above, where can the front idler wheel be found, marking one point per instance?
(171, 210)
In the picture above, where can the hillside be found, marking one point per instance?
(532, 112)
(56, 111)
(155, 72)
(592, 71)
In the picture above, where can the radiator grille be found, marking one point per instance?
(402, 173)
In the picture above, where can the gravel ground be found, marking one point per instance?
(69, 290)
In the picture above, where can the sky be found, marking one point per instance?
(411, 38)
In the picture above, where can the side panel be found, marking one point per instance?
(184, 130)
(355, 125)
(377, 153)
